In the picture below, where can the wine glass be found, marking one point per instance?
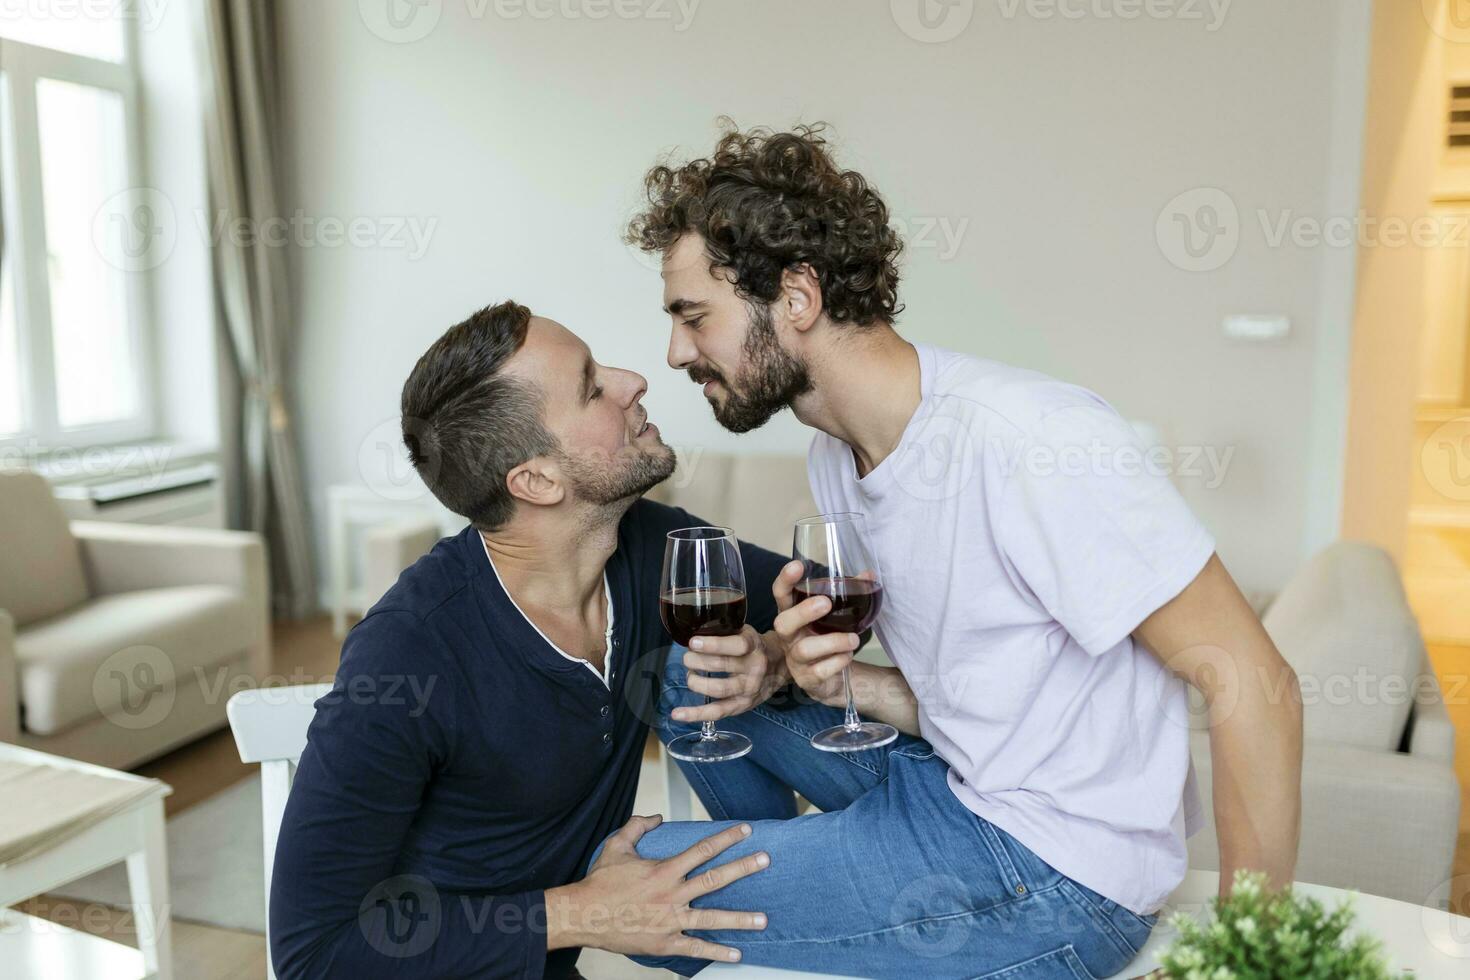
(838, 562)
(702, 593)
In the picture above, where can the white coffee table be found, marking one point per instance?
(135, 836)
(1435, 945)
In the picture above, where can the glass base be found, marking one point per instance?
(867, 735)
(720, 747)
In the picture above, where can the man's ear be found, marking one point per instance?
(537, 481)
(801, 297)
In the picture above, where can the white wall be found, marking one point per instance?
(1059, 141)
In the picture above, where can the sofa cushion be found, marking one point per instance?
(41, 564)
(759, 497)
(1344, 625)
(700, 484)
(768, 495)
(106, 652)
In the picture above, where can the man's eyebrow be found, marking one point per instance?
(681, 306)
(588, 374)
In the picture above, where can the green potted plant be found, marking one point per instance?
(1257, 934)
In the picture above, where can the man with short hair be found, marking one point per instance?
(490, 713)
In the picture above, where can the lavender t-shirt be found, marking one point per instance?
(1023, 533)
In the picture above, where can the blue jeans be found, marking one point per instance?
(895, 878)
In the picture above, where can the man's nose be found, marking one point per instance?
(682, 352)
(635, 387)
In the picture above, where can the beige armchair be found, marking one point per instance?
(1380, 800)
(119, 642)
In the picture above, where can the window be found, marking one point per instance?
(10, 397)
(73, 340)
(95, 33)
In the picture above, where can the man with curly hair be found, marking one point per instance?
(1048, 599)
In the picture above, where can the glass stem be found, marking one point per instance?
(707, 728)
(850, 721)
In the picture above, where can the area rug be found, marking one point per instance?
(215, 870)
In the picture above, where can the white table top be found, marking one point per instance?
(56, 799)
(1431, 943)
(19, 753)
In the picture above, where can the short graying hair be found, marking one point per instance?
(466, 425)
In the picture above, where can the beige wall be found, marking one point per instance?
(1405, 103)
(1046, 147)
(1453, 165)
(1445, 346)
(1436, 557)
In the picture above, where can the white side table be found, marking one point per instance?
(351, 508)
(135, 836)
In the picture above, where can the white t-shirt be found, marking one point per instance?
(1022, 533)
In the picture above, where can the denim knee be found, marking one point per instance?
(592, 861)
(676, 675)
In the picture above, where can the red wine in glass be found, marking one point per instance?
(840, 564)
(702, 593)
(688, 613)
(855, 603)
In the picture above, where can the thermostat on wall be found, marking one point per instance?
(1257, 329)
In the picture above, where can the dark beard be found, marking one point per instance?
(769, 381)
(629, 474)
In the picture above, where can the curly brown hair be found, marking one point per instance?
(765, 202)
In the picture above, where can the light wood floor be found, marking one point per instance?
(308, 649)
(200, 952)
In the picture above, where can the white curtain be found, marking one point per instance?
(237, 43)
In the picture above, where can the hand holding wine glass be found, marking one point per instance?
(702, 593)
(815, 660)
(749, 671)
(839, 565)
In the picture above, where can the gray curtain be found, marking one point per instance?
(237, 47)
